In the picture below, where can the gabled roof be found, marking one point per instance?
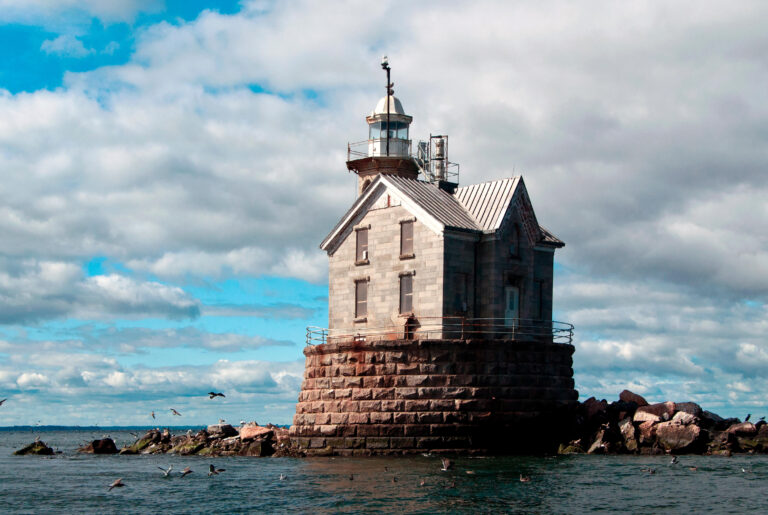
(487, 202)
(479, 208)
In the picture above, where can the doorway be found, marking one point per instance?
(512, 306)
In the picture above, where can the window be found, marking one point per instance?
(406, 293)
(361, 298)
(361, 252)
(406, 239)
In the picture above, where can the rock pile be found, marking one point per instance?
(216, 440)
(36, 447)
(632, 425)
(104, 446)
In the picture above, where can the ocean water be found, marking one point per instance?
(74, 483)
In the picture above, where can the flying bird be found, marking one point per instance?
(674, 460)
(2, 401)
(153, 415)
(185, 471)
(447, 464)
(283, 477)
(166, 472)
(175, 412)
(213, 395)
(213, 471)
(117, 483)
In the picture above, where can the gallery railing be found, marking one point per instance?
(450, 328)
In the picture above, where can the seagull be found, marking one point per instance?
(283, 477)
(166, 472)
(674, 460)
(213, 471)
(221, 421)
(185, 471)
(524, 479)
(351, 477)
(693, 469)
(213, 395)
(153, 415)
(422, 483)
(748, 415)
(447, 464)
(394, 479)
(471, 472)
(175, 412)
(2, 401)
(117, 483)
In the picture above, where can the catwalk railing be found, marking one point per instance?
(426, 328)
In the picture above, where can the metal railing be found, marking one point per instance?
(366, 148)
(517, 329)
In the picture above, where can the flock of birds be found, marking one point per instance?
(446, 465)
(211, 395)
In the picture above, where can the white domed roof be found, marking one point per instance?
(395, 107)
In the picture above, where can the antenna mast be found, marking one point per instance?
(390, 92)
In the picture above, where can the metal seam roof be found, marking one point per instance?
(488, 201)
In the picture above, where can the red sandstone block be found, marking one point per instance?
(454, 392)
(402, 443)
(392, 405)
(302, 443)
(346, 430)
(408, 368)
(377, 443)
(438, 381)
(331, 406)
(316, 443)
(359, 418)
(322, 418)
(327, 430)
(404, 418)
(479, 417)
(326, 395)
(383, 393)
(360, 394)
(322, 382)
(350, 406)
(381, 418)
(365, 370)
(344, 393)
(406, 393)
(416, 380)
(339, 359)
(374, 357)
(339, 418)
(427, 368)
(430, 417)
(370, 405)
(325, 359)
(416, 430)
(428, 442)
(441, 405)
(338, 382)
(396, 357)
(455, 417)
(368, 430)
(417, 405)
(354, 443)
(373, 382)
(354, 382)
(298, 419)
(336, 442)
(316, 407)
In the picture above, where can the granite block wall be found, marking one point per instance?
(407, 396)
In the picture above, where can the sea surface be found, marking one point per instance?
(74, 483)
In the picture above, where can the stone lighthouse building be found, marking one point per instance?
(440, 332)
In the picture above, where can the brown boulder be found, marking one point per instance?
(677, 437)
(36, 447)
(250, 432)
(593, 407)
(627, 396)
(628, 434)
(647, 431)
(684, 418)
(689, 407)
(743, 428)
(655, 412)
(104, 446)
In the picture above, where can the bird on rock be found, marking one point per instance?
(213, 471)
(213, 395)
(447, 464)
(117, 483)
(175, 412)
(186, 471)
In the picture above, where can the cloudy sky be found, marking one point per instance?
(170, 167)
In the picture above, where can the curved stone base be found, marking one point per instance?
(406, 396)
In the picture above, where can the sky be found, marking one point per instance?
(169, 169)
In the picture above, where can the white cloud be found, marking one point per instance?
(65, 45)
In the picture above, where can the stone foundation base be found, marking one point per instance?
(406, 396)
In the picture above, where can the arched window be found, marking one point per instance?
(514, 241)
